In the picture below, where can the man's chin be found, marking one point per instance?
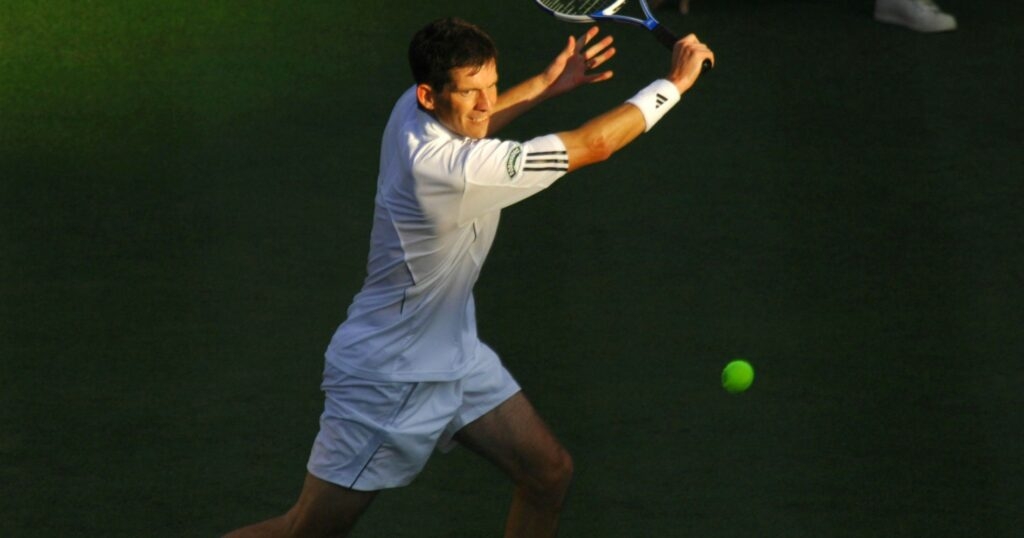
(478, 131)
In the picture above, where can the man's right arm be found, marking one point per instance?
(602, 136)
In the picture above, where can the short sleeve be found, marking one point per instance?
(500, 173)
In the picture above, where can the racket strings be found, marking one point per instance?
(578, 7)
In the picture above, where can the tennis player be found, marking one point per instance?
(406, 373)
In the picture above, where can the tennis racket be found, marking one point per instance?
(585, 11)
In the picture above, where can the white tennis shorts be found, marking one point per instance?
(376, 435)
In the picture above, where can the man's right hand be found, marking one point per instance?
(687, 58)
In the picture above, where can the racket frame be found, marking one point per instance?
(610, 13)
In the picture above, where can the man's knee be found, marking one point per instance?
(549, 484)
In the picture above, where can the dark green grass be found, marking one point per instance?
(185, 196)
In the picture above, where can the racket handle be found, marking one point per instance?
(667, 38)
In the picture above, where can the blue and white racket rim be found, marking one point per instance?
(581, 11)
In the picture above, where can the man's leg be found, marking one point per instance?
(323, 510)
(515, 438)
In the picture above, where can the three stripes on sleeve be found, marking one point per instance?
(547, 161)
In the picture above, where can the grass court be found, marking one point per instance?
(186, 193)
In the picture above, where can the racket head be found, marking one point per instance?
(582, 11)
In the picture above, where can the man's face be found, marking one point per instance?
(466, 103)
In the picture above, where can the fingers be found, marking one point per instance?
(688, 56)
(588, 49)
(595, 54)
(582, 42)
(690, 48)
(692, 38)
(570, 48)
(601, 48)
(575, 64)
(599, 77)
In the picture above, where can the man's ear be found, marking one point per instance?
(425, 95)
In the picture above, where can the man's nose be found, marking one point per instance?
(484, 101)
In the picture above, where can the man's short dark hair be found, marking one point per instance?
(446, 44)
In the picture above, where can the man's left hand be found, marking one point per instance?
(574, 65)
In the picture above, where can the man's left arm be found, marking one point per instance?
(569, 70)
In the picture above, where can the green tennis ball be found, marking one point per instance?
(737, 376)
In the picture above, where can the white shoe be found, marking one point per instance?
(919, 15)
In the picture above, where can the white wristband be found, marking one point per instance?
(655, 101)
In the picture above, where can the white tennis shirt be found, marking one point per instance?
(439, 197)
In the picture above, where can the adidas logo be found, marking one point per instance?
(660, 100)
